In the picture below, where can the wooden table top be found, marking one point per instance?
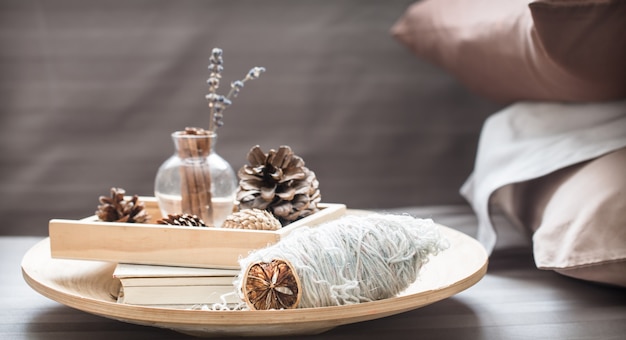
(513, 301)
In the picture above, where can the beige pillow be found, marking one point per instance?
(578, 218)
(508, 50)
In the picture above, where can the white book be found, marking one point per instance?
(164, 285)
(178, 295)
(148, 275)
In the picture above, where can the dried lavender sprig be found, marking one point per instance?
(215, 66)
(218, 103)
(216, 69)
(254, 73)
(236, 86)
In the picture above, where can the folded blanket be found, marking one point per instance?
(528, 140)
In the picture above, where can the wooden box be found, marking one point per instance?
(151, 243)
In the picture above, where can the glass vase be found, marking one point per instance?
(196, 180)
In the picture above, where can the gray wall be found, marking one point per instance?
(91, 90)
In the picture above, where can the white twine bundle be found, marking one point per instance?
(355, 258)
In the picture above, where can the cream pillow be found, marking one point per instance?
(581, 219)
(512, 50)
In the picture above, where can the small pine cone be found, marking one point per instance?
(182, 220)
(253, 219)
(116, 209)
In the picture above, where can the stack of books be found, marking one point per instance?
(177, 287)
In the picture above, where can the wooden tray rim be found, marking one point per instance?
(151, 204)
(229, 323)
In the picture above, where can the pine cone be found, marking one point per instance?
(117, 209)
(279, 183)
(182, 220)
(253, 219)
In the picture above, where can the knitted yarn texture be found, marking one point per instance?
(354, 259)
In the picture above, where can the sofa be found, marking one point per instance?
(91, 92)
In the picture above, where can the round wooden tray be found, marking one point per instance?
(90, 287)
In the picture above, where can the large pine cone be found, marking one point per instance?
(116, 209)
(279, 183)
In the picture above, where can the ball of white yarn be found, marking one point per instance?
(356, 258)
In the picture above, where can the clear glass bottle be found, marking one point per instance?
(196, 180)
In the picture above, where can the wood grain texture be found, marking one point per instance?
(90, 239)
(89, 286)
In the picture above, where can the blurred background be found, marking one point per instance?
(91, 90)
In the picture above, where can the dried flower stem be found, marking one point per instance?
(218, 103)
(216, 67)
